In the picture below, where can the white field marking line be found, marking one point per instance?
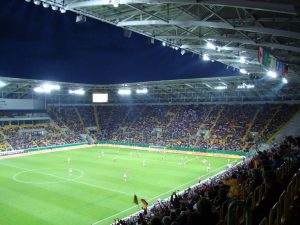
(155, 197)
(75, 181)
(45, 182)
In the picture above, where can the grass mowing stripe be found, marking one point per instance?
(70, 180)
(162, 194)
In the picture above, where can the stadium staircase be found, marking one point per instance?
(216, 120)
(201, 125)
(291, 127)
(173, 117)
(284, 212)
(268, 123)
(2, 134)
(96, 117)
(56, 116)
(248, 130)
(79, 116)
(125, 117)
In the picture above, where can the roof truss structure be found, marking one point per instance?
(187, 91)
(237, 27)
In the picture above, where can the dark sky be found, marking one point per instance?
(39, 43)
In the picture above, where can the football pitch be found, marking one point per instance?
(86, 186)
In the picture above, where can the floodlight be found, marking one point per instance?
(37, 2)
(62, 10)
(182, 52)
(115, 3)
(54, 7)
(80, 18)
(46, 5)
(42, 90)
(46, 88)
(2, 84)
(210, 45)
(245, 86)
(77, 92)
(27, 0)
(243, 71)
(164, 43)
(142, 91)
(242, 59)
(50, 87)
(205, 57)
(220, 87)
(284, 80)
(272, 74)
(176, 48)
(124, 91)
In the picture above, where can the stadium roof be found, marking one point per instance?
(200, 90)
(237, 27)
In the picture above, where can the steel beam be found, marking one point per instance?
(257, 5)
(234, 40)
(220, 25)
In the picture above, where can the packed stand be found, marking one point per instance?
(208, 202)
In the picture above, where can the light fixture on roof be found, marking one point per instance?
(27, 0)
(115, 3)
(245, 86)
(211, 46)
(36, 2)
(54, 7)
(46, 5)
(243, 71)
(272, 74)
(220, 87)
(164, 43)
(284, 80)
(79, 91)
(142, 91)
(80, 18)
(46, 88)
(124, 91)
(176, 48)
(2, 84)
(242, 59)
(62, 10)
(205, 57)
(218, 49)
(182, 51)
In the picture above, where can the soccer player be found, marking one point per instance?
(208, 167)
(179, 165)
(144, 162)
(70, 171)
(114, 159)
(69, 160)
(125, 177)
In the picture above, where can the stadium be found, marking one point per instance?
(221, 149)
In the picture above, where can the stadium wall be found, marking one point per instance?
(180, 150)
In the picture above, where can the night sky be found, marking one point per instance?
(42, 44)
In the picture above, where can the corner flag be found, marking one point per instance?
(135, 200)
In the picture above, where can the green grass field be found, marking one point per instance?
(40, 190)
